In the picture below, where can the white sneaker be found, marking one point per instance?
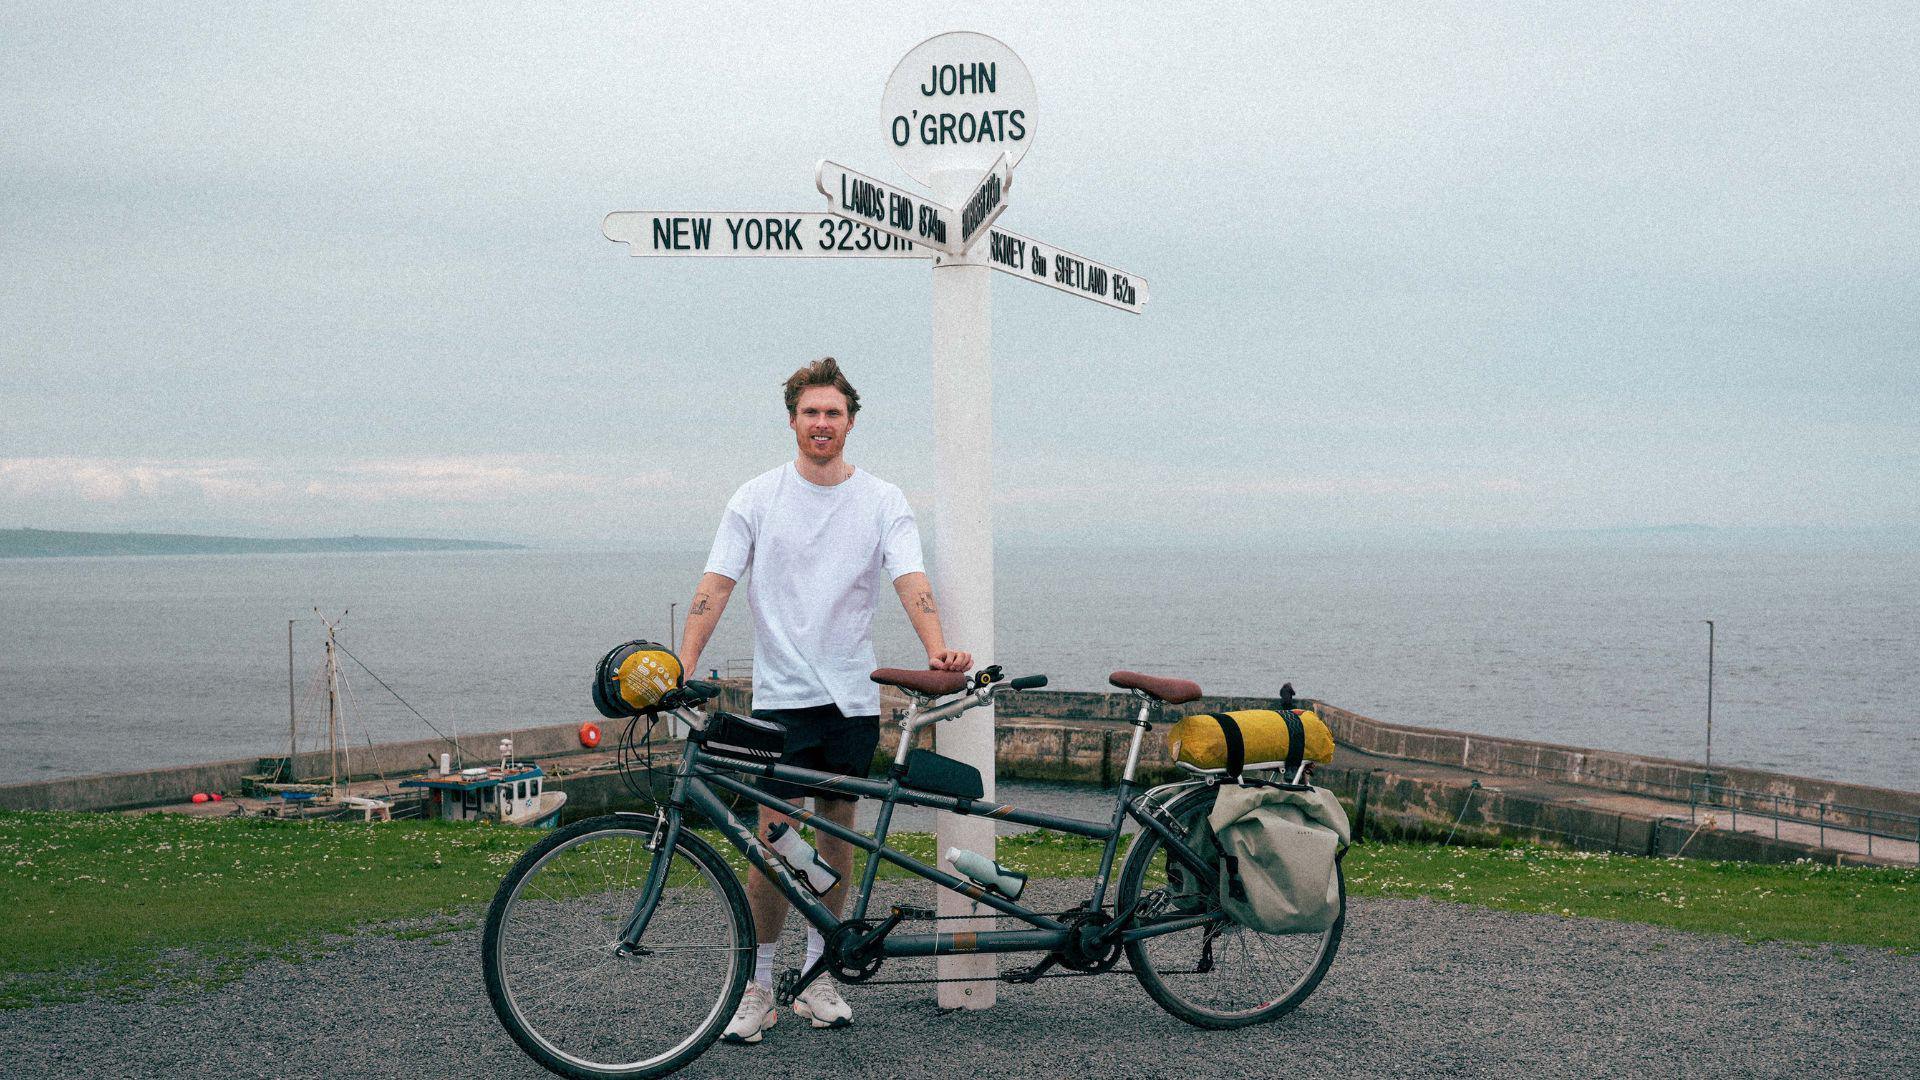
(754, 1016)
(823, 1005)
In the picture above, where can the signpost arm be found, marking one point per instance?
(963, 556)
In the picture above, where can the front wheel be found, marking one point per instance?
(583, 1007)
(1218, 974)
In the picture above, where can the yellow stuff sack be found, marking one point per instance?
(1233, 740)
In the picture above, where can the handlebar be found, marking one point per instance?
(980, 690)
(693, 692)
(982, 686)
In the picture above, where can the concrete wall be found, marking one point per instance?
(1431, 807)
(1613, 771)
(1427, 805)
(158, 787)
(123, 791)
(1060, 735)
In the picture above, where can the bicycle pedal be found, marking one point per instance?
(905, 913)
(783, 986)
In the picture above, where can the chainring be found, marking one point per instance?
(851, 968)
(1079, 953)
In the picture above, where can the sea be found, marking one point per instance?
(1597, 640)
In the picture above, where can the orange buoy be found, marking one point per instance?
(216, 796)
(589, 734)
(200, 796)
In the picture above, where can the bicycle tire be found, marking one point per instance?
(1260, 977)
(568, 999)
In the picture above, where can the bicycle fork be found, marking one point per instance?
(666, 833)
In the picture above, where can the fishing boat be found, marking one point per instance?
(289, 797)
(510, 793)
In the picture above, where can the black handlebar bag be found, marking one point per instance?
(632, 678)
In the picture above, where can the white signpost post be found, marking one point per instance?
(959, 113)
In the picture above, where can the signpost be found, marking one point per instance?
(917, 220)
(860, 198)
(957, 102)
(790, 234)
(1027, 258)
(958, 114)
(983, 204)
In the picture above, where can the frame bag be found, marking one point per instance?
(743, 738)
(1278, 851)
(929, 771)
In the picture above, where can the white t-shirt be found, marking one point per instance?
(811, 557)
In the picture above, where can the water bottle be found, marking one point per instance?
(800, 857)
(1008, 883)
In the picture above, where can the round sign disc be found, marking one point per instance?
(955, 103)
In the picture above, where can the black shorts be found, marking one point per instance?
(821, 738)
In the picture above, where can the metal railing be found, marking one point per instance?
(1821, 816)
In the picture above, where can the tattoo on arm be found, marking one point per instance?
(700, 604)
(924, 602)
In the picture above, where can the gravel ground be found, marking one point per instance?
(1419, 989)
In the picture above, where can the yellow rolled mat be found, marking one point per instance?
(1201, 741)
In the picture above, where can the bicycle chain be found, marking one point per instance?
(1078, 914)
(1002, 977)
(1067, 914)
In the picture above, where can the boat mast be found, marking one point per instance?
(293, 729)
(333, 716)
(335, 744)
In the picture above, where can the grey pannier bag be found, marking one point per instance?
(1278, 850)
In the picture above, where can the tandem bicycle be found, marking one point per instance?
(619, 946)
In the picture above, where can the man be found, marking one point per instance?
(812, 535)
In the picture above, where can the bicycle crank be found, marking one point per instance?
(1088, 947)
(849, 964)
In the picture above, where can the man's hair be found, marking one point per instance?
(822, 372)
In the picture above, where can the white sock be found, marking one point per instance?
(816, 946)
(763, 964)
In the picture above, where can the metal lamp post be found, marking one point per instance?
(1709, 623)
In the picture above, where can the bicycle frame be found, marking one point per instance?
(702, 775)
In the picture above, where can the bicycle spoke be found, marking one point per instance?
(1218, 973)
(556, 977)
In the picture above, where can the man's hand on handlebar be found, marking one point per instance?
(991, 680)
(949, 660)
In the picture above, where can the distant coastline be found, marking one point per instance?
(49, 543)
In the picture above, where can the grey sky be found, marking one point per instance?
(324, 269)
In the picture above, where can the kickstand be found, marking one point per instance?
(1206, 951)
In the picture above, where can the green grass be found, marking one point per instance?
(117, 906)
(1804, 901)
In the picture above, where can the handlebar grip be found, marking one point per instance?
(700, 690)
(1028, 682)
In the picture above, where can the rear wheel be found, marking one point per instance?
(1218, 974)
(580, 1006)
